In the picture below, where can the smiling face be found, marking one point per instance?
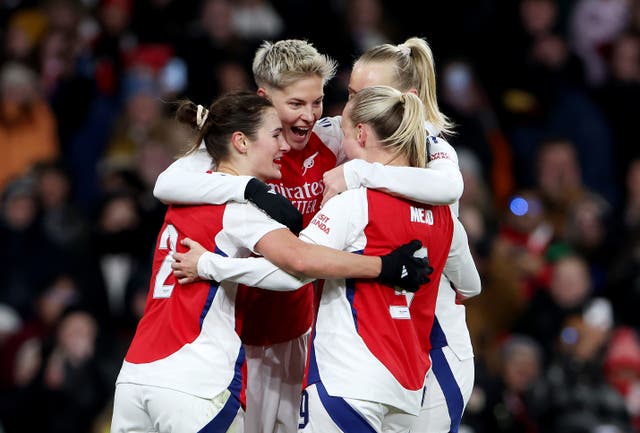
(264, 152)
(370, 74)
(299, 106)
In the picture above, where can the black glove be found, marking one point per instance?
(273, 204)
(402, 269)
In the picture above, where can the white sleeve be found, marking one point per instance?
(440, 183)
(186, 181)
(329, 131)
(251, 271)
(339, 222)
(245, 224)
(460, 268)
(440, 149)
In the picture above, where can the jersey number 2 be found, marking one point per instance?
(167, 245)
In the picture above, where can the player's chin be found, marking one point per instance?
(276, 173)
(298, 142)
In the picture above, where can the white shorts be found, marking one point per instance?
(274, 384)
(322, 413)
(146, 409)
(447, 390)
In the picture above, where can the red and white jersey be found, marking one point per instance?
(368, 339)
(187, 338)
(302, 170)
(289, 314)
(441, 183)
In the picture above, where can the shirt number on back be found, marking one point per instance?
(164, 282)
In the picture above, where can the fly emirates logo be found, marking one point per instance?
(305, 197)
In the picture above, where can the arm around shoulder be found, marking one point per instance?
(439, 184)
(186, 181)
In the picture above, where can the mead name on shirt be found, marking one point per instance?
(419, 215)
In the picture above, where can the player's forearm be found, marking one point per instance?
(315, 261)
(251, 271)
(439, 184)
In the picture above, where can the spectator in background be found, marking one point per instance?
(544, 94)
(256, 20)
(590, 231)
(74, 386)
(622, 369)
(231, 76)
(65, 16)
(120, 248)
(623, 283)
(65, 380)
(618, 96)
(62, 222)
(515, 268)
(211, 40)
(67, 90)
(569, 291)
(579, 398)
(594, 25)
(511, 399)
(631, 210)
(366, 25)
(24, 243)
(558, 180)
(477, 127)
(27, 125)
(477, 210)
(25, 28)
(142, 108)
(165, 140)
(113, 41)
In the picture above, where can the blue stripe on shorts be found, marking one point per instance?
(345, 417)
(449, 386)
(221, 422)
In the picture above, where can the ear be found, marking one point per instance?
(362, 134)
(262, 92)
(414, 91)
(239, 142)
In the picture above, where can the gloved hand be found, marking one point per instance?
(402, 269)
(273, 204)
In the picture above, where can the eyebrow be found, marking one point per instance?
(302, 101)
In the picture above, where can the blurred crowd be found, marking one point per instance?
(542, 93)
